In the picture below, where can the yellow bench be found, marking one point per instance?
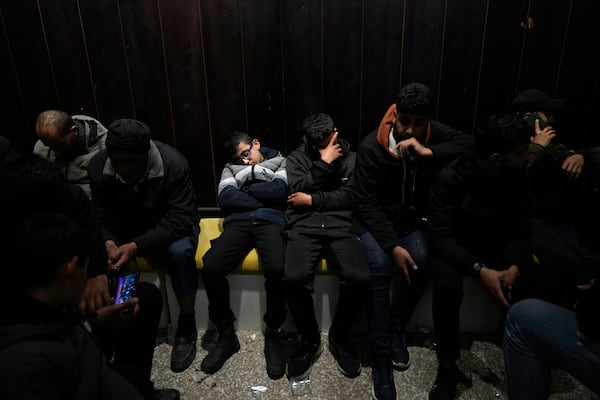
(210, 229)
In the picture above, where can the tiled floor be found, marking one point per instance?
(481, 364)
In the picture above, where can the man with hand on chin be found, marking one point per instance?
(395, 166)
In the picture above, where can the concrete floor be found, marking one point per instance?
(481, 364)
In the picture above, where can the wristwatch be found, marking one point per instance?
(477, 267)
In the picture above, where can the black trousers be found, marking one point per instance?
(344, 254)
(227, 252)
(130, 350)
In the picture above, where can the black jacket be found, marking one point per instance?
(154, 213)
(475, 217)
(47, 353)
(391, 193)
(330, 186)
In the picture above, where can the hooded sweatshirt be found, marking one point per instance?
(391, 192)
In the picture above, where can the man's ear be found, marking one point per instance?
(496, 159)
(71, 265)
(256, 143)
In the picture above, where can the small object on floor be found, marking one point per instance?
(300, 385)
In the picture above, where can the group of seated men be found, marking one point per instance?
(417, 200)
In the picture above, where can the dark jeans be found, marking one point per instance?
(228, 251)
(346, 258)
(540, 336)
(130, 350)
(181, 258)
(386, 316)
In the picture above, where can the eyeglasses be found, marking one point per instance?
(246, 153)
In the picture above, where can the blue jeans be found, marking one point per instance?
(181, 261)
(540, 336)
(386, 315)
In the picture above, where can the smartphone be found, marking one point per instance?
(126, 287)
(531, 121)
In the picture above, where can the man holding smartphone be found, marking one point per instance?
(126, 340)
(143, 193)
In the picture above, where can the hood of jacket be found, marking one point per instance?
(385, 135)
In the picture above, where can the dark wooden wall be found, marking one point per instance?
(196, 69)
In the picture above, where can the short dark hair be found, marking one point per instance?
(501, 133)
(317, 126)
(415, 98)
(233, 140)
(43, 242)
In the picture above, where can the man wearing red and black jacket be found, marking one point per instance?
(394, 169)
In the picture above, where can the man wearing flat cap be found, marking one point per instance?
(146, 204)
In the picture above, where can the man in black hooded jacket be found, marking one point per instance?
(319, 216)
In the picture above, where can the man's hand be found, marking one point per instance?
(491, 280)
(573, 165)
(299, 199)
(95, 295)
(412, 147)
(333, 150)
(543, 137)
(122, 255)
(402, 258)
(116, 316)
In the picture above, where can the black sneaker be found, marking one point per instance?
(345, 357)
(227, 346)
(444, 387)
(274, 356)
(303, 358)
(400, 354)
(184, 350)
(384, 387)
(166, 394)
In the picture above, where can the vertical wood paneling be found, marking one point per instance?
(544, 43)
(423, 34)
(185, 66)
(195, 70)
(263, 71)
(579, 79)
(303, 64)
(222, 45)
(106, 52)
(500, 63)
(342, 46)
(33, 68)
(62, 27)
(145, 59)
(463, 41)
(382, 49)
(15, 126)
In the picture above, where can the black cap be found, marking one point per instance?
(536, 100)
(129, 136)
